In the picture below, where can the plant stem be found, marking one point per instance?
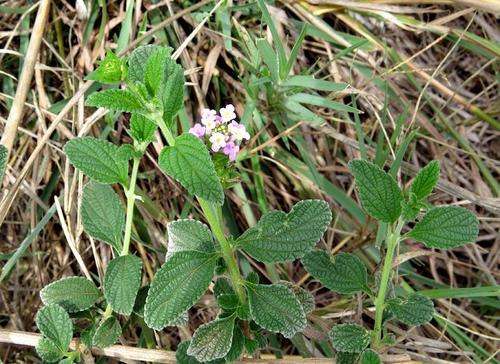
(392, 242)
(213, 214)
(130, 194)
(166, 132)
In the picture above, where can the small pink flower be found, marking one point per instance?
(231, 150)
(238, 131)
(227, 113)
(208, 118)
(218, 141)
(198, 130)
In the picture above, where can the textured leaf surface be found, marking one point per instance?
(3, 160)
(72, 293)
(305, 297)
(110, 70)
(98, 159)
(282, 237)
(172, 90)
(154, 73)
(370, 357)
(107, 333)
(237, 345)
(48, 350)
(179, 283)
(275, 308)
(142, 129)
(412, 310)
(116, 100)
(378, 191)
(122, 282)
(212, 340)
(446, 227)
(182, 356)
(54, 323)
(189, 235)
(425, 180)
(346, 358)
(342, 273)
(102, 212)
(350, 338)
(189, 162)
(138, 60)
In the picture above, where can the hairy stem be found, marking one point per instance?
(130, 194)
(392, 242)
(213, 214)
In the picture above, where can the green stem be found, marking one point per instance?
(130, 194)
(166, 132)
(213, 214)
(392, 242)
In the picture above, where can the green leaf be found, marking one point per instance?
(138, 60)
(171, 91)
(282, 237)
(237, 345)
(346, 358)
(54, 323)
(413, 310)
(189, 235)
(342, 273)
(182, 356)
(350, 338)
(48, 350)
(111, 69)
(98, 159)
(305, 297)
(446, 227)
(3, 160)
(275, 308)
(179, 283)
(107, 333)
(103, 216)
(370, 357)
(311, 82)
(117, 100)
(425, 180)
(122, 282)
(154, 72)
(140, 301)
(212, 340)
(142, 129)
(322, 102)
(72, 293)
(189, 162)
(270, 58)
(378, 191)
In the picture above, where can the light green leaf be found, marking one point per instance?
(107, 333)
(48, 350)
(378, 191)
(413, 310)
(322, 102)
(282, 237)
(350, 338)
(189, 162)
(311, 82)
(270, 58)
(189, 235)
(275, 308)
(301, 112)
(98, 159)
(117, 100)
(111, 69)
(72, 293)
(425, 180)
(305, 297)
(179, 283)
(142, 129)
(212, 340)
(154, 72)
(171, 91)
(370, 357)
(138, 60)
(54, 323)
(446, 227)
(122, 282)
(342, 273)
(102, 213)
(3, 160)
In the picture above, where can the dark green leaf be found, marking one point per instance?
(370, 357)
(117, 100)
(48, 350)
(54, 323)
(107, 333)
(138, 60)
(412, 310)
(3, 160)
(189, 235)
(212, 340)
(425, 180)
(305, 298)
(142, 129)
(350, 338)
(346, 358)
(72, 293)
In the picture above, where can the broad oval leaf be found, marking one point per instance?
(275, 308)
(179, 283)
(107, 333)
(212, 340)
(55, 324)
(72, 293)
(142, 129)
(446, 227)
(98, 159)
(350, 338)
(154, 72)
(48, 350)
(138, 60)
(188, 234)
(280, 237)
(102, 212)
(413, 310)
(189, 162)
(117, 100)
(378, 191)
(122, 282)
(425, 180)
(342, 273)
(370, 357)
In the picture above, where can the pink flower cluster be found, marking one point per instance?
(223, 132)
